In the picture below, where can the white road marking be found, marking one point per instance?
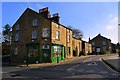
(80, 70)
(92, 63)
(90, 71)
(103, 72)
(72, 68)
(114, 74)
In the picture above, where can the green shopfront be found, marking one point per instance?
(55, 53)
(33, 52)
(58, 52)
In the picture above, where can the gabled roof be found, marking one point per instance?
(30, 10)
(99, 35)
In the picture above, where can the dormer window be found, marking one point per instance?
(34, 23)
(34, 34)
(17, 27)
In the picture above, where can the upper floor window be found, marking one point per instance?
(57, 34)
(68, 38)
(35, 23)
(104, 43)
(46, 33)
(57, 26)
(16, 36)
(17, 27)
(93, 43)
(68, 31)
(15, 50)
(34, 34)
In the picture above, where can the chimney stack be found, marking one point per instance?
(55, 17)
(44, 12)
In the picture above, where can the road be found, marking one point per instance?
(91, 67)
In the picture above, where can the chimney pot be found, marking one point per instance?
(55, 17)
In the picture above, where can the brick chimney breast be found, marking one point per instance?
(45, 12)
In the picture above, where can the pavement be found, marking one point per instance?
(113, 61)
(66, 61)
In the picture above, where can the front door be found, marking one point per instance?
(45, 53)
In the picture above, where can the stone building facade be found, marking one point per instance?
(38, 37)
(100, 43)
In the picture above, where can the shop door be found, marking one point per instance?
(46, 53)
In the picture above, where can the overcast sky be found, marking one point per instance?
(91, 18)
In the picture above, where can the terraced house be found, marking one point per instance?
(77, 47)
(39, 37)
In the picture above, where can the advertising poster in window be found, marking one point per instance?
(46, 33)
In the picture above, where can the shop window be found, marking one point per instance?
(57, 49)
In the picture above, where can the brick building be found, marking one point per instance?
(100, 43)
(38, 37)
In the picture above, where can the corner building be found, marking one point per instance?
(38, 37)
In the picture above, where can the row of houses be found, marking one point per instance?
(39, 37)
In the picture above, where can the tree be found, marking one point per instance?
(76, 32)
(7, 33)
